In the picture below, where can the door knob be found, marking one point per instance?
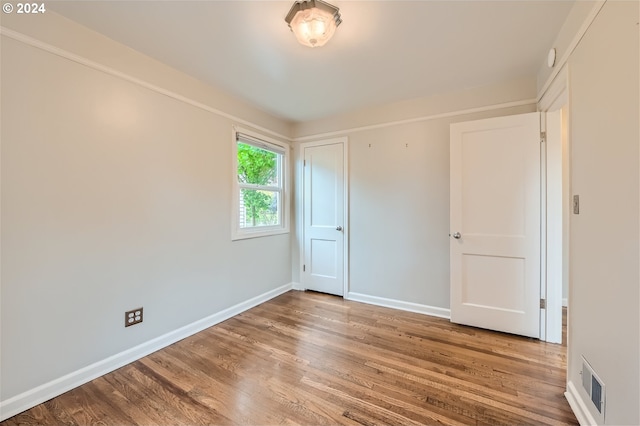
(457, 235)
(338, 228)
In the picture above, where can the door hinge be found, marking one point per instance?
(543, 137)
(304, 163)
(543, 303)
(304, 268)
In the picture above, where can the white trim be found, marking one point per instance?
(42, 393)
(297, 286)
(417, 119)
(554, 99)
(543, 233)
(113, 72)
(285, 208)
(347, 222)
(556, 95)
(433, 311)
(565, 302)
(572, 45)
(578, 406)
(300, 207)
(552, 231)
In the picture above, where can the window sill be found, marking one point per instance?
(245, 235)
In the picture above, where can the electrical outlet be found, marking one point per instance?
(132, 317)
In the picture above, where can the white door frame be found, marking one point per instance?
(300, 210)
(554, 98)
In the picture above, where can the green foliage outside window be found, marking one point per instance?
(257, 166)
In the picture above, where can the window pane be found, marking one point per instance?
(259, 208)
(257, 166)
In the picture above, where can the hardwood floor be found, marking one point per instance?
(313, 359)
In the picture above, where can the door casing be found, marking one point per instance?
(555, 98)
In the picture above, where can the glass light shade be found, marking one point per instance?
(313, 21)
(313, 27)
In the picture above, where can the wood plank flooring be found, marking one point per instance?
(314, 359)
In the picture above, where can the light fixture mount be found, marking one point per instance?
(313, 21)
(551, 57)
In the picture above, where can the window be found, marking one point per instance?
(260, 198)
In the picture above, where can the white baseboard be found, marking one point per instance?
(565, 302)
(42, 393)
(297, 286)
(578, 406)
(399, 304)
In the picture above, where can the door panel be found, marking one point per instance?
(324, 218)
(495, 207)
(324, 258)
(507, 294)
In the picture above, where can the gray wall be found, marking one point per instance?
(604, 321)
(114, 196)
(399, 190)
(399, 210)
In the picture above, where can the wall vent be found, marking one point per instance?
(593, 386)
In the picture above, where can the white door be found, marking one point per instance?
(324, 207)
(495, 224)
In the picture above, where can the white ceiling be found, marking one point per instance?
(384, 51)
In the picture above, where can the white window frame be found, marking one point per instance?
(261, 141)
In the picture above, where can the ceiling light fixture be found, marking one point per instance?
(313, 21)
